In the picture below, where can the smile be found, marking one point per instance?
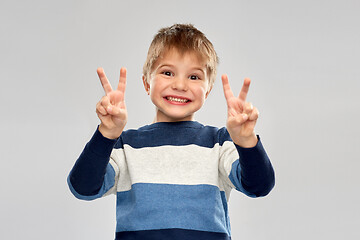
(175, 99)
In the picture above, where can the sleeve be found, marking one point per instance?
(93, 175)
(248, 170)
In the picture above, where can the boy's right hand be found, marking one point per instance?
(111, 109)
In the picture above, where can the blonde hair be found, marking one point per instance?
(184, 38)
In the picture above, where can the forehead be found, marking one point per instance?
(190, 56)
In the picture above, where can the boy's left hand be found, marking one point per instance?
(242, 116)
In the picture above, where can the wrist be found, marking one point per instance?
(109, 133)
(246, 142)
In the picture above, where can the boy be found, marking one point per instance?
(173, 177)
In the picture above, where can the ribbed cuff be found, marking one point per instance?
(256, 153)
(101, 145)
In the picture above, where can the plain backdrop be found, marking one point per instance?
(302, 57)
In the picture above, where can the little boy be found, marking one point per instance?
(173, 178)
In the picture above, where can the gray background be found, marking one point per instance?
(303, 59)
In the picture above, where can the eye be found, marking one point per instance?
(194, 77)
(168, 73)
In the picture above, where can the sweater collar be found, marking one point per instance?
(190, 124)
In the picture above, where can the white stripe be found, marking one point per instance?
(185, 165)
(228, 155)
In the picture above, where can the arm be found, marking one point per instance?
(86, 178)
(253, 172)
(255, 169)
(92, 175)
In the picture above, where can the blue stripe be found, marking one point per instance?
(150, 206)
(171, 234)
(109, 181)
(175, 134)
(225, 206)
(235, 178)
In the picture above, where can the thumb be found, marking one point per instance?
(117, 112)
(237, 120)
(113, 110)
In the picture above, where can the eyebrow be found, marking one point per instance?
(200, 69)
(171, 65)
(165, 65)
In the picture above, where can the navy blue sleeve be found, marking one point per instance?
(257, 173)
(87, 175)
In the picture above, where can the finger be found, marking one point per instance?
(248, 108)
(105, 102)
(244, 89)
(104, 81)
(100, 109)
(122, 81)
(239, 119)
(116, 112)
(226, 86)
(254, 114)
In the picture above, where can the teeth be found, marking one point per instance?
(174, 99)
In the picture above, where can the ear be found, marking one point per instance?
(207, 93)
(146, 85)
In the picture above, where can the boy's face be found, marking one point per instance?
(178, 86)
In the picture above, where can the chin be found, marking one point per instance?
(175, 117)
(179, 119)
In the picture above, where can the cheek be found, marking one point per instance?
(153, 94)
(153, 87)
(201, 92)
(156, 91)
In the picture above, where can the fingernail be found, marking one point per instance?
(109, 109)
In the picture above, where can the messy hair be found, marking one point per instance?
(184, 38)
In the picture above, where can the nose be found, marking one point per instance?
(180, 83)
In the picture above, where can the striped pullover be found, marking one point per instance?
(172, 179)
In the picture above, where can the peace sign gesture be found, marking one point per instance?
(242, 116)
(111, 109)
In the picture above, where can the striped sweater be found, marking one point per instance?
(172, 179)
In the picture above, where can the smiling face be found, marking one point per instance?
(178, 86)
